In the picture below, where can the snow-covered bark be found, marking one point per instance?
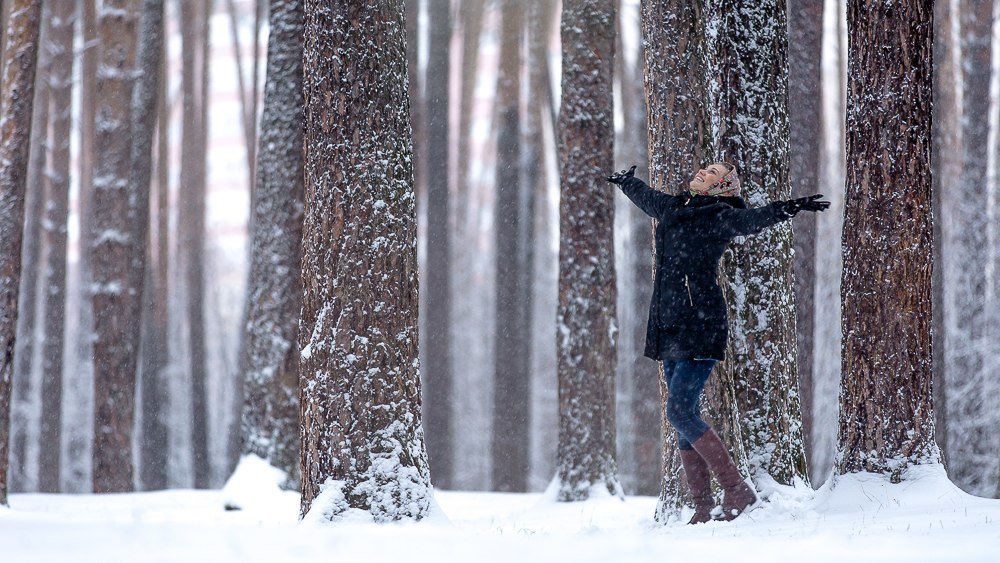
(759, 374)
(972, 438)
(513, 213)
(674, 41)
(57, 184)
(16, 95)
(114, 244)
(586, 323)
(362, 440)
(437, 372)
(887, 415)
(269, 359)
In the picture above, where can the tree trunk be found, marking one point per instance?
(678, 139)
(887, 415)
(805, 46)
(362, 439)
(115, 245)
(437, 373)
(60, 37)
(586, 324)
(191, 218)
(972, 430)
(16, 96)
(513, 212)
(760, 370)
(269, 360)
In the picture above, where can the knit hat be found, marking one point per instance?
(728, 185)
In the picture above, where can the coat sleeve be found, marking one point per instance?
(745, 222)
(652, 202)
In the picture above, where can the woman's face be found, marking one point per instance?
(707, 177)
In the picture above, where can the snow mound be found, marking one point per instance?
(256, 485)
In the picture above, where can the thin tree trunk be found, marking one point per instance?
(760, 369)
(269, 360)
(678, 138)
(16, 96)
(887, 414)
(586, 324)
(512, 217)
(61, 35)
(437, 375)
(359, 353)
(805, 46)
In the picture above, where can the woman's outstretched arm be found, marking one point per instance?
(746, 222)
(651, 202)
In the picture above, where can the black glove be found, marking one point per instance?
(793, 206)
(620, 177)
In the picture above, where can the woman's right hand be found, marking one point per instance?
(620, 177)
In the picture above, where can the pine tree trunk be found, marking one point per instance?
(678, 138)
(887, 414)
(60, 37)
(512, 218)
(586, 324)
(760, 369)
(437, 373)
(16, 96)
(972, 440)
(269, 364)
(362, 439)
(114, 246)
(805, 45)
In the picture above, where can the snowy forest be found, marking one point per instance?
(270, 266)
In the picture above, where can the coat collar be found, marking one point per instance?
(705, 200)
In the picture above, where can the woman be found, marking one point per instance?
(687, 326)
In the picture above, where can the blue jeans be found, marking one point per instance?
(685, 381)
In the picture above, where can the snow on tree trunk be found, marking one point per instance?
(362, 440)
(972, 440)
(677, 127)
(437, 374)
(759, 373)
(887, 415)
(115, 244)
(16, 96)
(57, 183)
(805, 43)
(586, 324)
(513, 214)
(270, 416)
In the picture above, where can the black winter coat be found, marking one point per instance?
(687, 312)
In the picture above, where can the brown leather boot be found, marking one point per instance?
(696, 473)
(738, 496)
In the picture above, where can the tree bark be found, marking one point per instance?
(362, 440)
(678, 140)
(437, 374)
(760, 369)
(586, 324)
(60, 38)
(513, 212)
(269, 360)
(16, 96)
(887, 414)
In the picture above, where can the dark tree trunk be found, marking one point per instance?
(586, 323)
(270, 358)
(513, 212)
(361, 428)
(760, 370)
(115, 244)
(678, 140)
(437, 373)
(16, 96)
(886, 402)
(805, 45)
(60, 37)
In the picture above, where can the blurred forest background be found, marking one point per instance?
(475, 68)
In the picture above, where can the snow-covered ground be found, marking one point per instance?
(860, 518)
